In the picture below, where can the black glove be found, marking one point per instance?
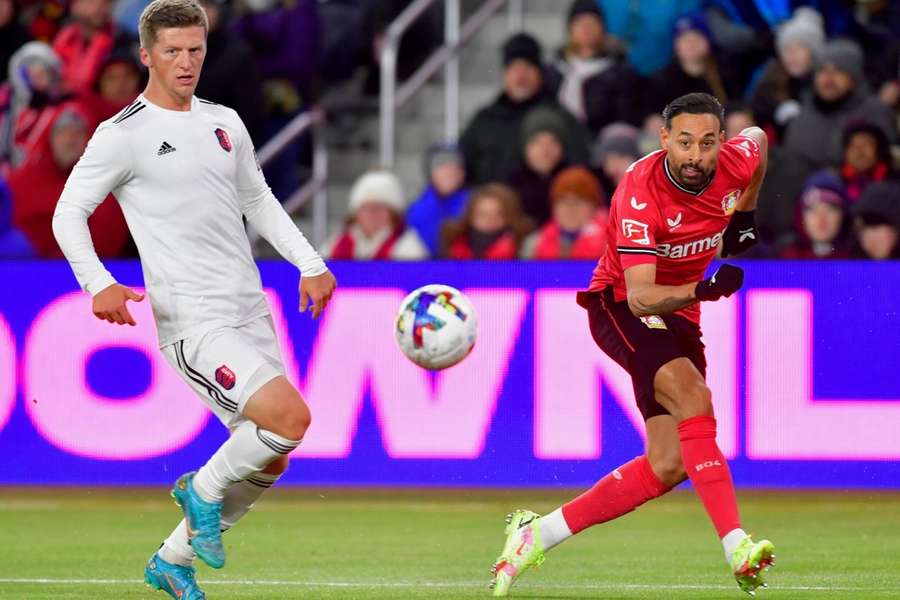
(741, 233)
(725, 281)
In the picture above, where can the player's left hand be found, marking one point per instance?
(741, 234)
(316, 290)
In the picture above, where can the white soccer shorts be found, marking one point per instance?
(226, 366)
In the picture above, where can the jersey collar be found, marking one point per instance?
(674, 181)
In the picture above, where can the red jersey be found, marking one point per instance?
(656, 220)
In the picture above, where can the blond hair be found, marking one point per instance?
(161, 14)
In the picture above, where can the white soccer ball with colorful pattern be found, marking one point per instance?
(436, 326)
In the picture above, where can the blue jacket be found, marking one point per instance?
(429, 211)
(646, 27)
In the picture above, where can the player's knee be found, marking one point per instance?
(297, 419)
(696, 399)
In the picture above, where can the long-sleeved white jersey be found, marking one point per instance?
(184, 180)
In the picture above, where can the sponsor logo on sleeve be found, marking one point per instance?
(636, 231)
(729, 201)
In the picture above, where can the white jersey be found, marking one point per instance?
(184, 180)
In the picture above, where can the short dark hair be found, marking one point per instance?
(697, 103)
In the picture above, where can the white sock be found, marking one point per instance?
(248, 450)
(239, 499)
(554, 529)
(731, 541)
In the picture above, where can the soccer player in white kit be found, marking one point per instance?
(185, 174)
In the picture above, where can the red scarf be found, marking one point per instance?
(343, 249)
(856, 182)
(503, 249)
(590, 243)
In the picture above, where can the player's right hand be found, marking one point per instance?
(109, 304)
(316, 290)
(725, 281)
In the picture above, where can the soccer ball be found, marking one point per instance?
(436, 326)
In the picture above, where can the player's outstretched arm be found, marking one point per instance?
(101, 169)
(645, 297)
(263, 211)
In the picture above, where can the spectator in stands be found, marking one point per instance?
(13, 243)
(738, 117)
(840, 96)
(119, 82)
(578, 227)
(492, 227)
(84, 44)
(616, 148)
(491, 142)
(821, 223)
(227, 54)
(867, 158)
(445, 195)
(37, 184)
(544, 154)
(787, 78)
(285, 38)
(877, 221)
(375, 228)
(12, 35)
(646, 29)
(694, 68)
(35, 87)
(591, 77)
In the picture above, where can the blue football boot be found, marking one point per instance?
(203, 521)
(175, 580)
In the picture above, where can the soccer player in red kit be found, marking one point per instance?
(670, 213)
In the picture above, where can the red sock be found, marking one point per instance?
(709, 472)
(619, 493)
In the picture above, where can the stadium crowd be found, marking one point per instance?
(533, 171)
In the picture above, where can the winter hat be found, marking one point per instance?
(584, 7)
(576, 181)
(377, 186)
(67, 118)
(846, 55)
(543, 119)
(522, 46)
(616, 138)
(693, 22)
(823, 186)
(805, 27)
(442, 154)
(880, 203)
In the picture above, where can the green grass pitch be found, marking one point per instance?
(409, 544)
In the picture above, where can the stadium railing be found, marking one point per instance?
(446, 57)
(315, 188)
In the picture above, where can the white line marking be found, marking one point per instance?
(447, 584)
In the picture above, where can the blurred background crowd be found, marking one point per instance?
(533, 171)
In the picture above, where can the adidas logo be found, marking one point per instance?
(165, 149)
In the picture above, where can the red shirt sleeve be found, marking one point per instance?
(744, 155)
(635, 219)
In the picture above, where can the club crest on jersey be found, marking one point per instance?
(225, 377)
(224, 140)
(729, 201)
(654, 322)
(636, 231)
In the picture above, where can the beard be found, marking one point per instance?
(693, 177)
